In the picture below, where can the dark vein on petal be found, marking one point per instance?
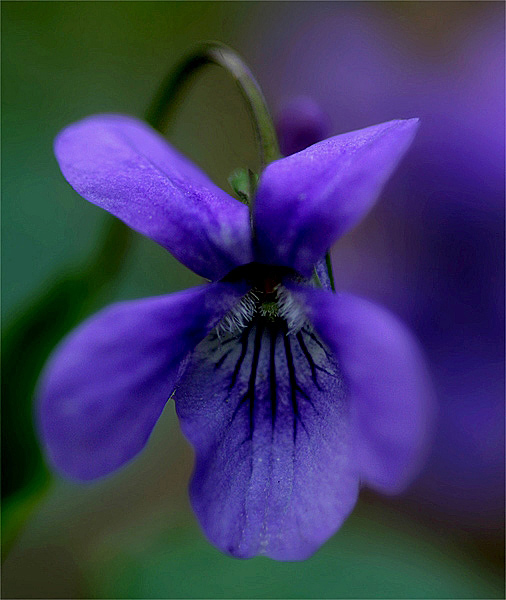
(222, 360)
(315, 339)
(228, 340)
(309, 359)
(293, 384)
(244, 343)
(272, 375)
(328, 355)
(250, 392)
(306, 397)
(253, 376)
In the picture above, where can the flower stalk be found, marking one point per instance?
(168, 99)
(215, 53)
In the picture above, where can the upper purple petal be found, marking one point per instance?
(107, 383)
(389, 389)
(306, 201)
(268, 415)
(123, 165)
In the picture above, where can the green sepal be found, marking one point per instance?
(316, 280)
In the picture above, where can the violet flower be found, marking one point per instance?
(291, 395)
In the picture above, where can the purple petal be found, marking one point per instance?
(119, 163)
(268, 417)
(389, 390)
(307, 200)
(107, 383)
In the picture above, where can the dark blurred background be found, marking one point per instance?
(431, 250)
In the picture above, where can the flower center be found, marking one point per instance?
(267, 298)
(261, 277)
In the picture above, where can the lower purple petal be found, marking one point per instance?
(267, 414)
(389, 389)
(107, 383)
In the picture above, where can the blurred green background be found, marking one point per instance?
(133, 535)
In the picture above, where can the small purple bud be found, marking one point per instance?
(301, 123)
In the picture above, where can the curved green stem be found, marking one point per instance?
(216, 53)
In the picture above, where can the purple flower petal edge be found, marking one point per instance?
(108, 381)
(307, 200)
(389, 388)
(124, 166)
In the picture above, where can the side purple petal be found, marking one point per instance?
(390, 393)
(268, 416)
(307, 200)
(124, 166)
(108, 381)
